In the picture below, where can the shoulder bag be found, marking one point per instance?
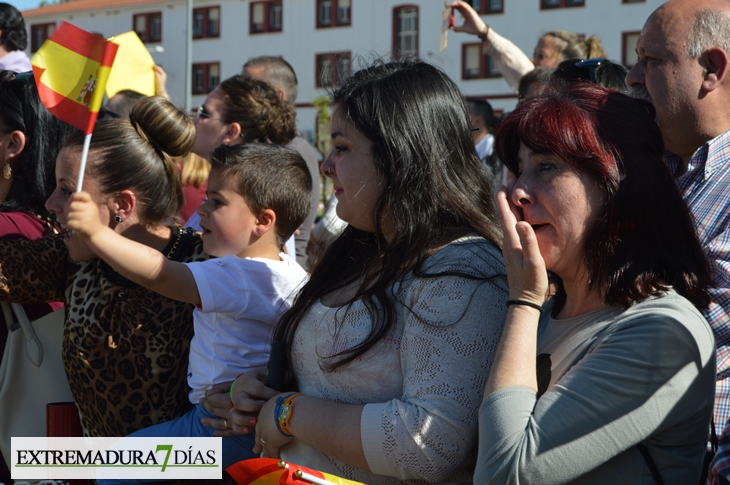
(31, 374)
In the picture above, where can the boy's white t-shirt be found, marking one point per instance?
(241, 302)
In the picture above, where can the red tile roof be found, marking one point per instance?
(86, 5)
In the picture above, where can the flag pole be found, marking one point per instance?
(82, 167)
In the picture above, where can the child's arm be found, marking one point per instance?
(135, 261)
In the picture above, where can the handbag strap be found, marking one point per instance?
(8, 315)
(33, 347)
(650, 463)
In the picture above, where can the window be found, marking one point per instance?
(475, 65)
(333, 13)
(39, 33)
(561, 3)
(332, 69)
(265, 17)
(148, 26)
(628, 48)
(206, 77)
(206, 22)
(405, 31)
(487, 6)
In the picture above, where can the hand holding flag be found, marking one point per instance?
(71, 70)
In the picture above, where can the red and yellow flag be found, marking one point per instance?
(269, 471)
(71, 69)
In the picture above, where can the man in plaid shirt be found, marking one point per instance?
(684, 69)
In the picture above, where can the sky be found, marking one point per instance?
(24, 4)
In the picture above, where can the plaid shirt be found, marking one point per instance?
(705, 187)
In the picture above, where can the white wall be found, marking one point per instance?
(369, 36)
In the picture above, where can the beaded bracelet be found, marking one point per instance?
(525, 303)
(283, 412)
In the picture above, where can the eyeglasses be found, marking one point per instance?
(591, 65)
(201, 113)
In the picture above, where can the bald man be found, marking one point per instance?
(683, 69)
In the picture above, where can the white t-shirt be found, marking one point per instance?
(241, 301)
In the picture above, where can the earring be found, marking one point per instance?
(7, 171)
(117, 218)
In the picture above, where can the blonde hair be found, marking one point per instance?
(195, 170)
(572, 46)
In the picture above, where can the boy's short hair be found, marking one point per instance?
(269, 177)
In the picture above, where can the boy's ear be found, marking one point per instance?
(265, 222)
(123, 204)
(231, 136)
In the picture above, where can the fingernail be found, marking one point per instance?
(245, 430)
(253, 421)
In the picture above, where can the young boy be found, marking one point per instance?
(258, 195)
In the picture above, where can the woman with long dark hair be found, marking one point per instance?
(395, 330)
(612, 379)
(30, 139)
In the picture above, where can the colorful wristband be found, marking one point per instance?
(283, 412)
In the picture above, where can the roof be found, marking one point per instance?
(85, 6)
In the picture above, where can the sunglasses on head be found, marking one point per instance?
(591, 65)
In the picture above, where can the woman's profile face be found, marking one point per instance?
(561, 204)
(546, 52)
(357, 183)
(67, 172)
(210, 129)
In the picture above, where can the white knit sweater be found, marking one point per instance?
(422, 384)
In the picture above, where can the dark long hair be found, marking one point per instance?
(644, 240)
(436, 190)
(34, 173)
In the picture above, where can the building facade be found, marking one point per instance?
(324, 40)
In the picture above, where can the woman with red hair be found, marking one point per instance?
(611, 380)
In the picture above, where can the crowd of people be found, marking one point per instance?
(539, 299)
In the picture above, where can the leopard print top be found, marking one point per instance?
(125, 348)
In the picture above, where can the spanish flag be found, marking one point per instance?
(71, 70)
(269, 471)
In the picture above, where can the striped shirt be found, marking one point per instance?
(705, 187)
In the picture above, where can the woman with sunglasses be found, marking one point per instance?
(243, 109)
(612, 379)
(30, 139)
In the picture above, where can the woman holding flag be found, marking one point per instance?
(125, 348)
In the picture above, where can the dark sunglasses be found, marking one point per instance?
(591, 65)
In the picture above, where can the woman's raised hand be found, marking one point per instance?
(526, 271)
(473, 23)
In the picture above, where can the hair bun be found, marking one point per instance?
(162, 124)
